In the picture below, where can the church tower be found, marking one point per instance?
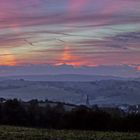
(87, 101)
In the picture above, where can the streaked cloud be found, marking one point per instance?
(72, 32)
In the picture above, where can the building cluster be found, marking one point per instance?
(131, 109)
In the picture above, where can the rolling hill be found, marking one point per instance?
(99, 92)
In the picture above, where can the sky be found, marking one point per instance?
(79, 33)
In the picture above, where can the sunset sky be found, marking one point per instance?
(71, 32)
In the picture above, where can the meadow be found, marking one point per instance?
(22, 133)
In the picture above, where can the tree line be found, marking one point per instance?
(15, 112)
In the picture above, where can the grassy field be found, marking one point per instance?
(21, 133)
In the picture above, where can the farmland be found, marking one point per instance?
(22, 133)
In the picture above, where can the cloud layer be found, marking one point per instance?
(72, 32)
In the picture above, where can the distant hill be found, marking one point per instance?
(137, 79)
(63, 77)
(99, 92)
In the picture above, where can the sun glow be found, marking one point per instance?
(7, 58)
(68, 58)
(138, 68)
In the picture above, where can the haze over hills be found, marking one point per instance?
(113, 71)
(99, 92)
(72, 88)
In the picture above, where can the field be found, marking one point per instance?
(21, 133)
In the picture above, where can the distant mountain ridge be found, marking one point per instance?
(64, 77)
